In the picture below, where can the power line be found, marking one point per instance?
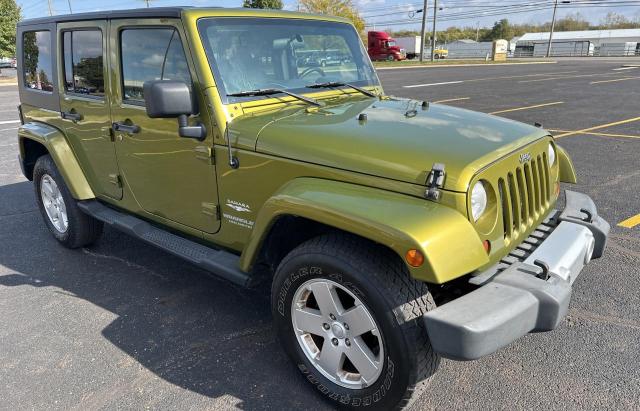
(522, 9)
(505, 9)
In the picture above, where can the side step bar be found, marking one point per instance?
(219, 262)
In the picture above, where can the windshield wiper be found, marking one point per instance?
(331, 84)
(270, 91)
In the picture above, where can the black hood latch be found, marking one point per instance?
(435, 181)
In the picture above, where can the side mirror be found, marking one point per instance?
(172, 99)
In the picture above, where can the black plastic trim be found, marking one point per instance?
(151, 12)
(219, 262)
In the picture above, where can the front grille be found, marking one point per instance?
(522, 251)
(525, 195)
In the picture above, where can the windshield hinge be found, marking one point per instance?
(435, 181)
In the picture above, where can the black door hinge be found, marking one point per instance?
(115, 180)
(211, 209)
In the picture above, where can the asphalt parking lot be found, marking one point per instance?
(123, 325)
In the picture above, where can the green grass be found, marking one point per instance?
(453, 62)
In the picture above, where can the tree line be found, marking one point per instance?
(503, 29)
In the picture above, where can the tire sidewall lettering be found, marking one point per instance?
(289, 285)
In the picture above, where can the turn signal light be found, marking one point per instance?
(414, 258)
(556, 189)
(487, 246)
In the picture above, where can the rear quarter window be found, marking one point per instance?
(36, 60)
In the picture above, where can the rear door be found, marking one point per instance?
(84, 105)
(170, 176)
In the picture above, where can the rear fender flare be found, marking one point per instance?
(398, 221)
(58, 147)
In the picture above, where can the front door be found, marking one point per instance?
(84, 105)
(169, 176)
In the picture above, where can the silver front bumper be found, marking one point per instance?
(531, 294)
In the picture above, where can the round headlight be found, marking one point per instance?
(478, 200)
(552, 155)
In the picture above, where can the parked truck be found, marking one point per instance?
(411, 45)
(412, 48)
(381, 46)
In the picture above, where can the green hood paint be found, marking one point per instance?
(399, 139)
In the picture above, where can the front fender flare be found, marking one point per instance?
(567, 171)
(401, 222)
(60, 150)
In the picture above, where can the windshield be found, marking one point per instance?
(262, 53)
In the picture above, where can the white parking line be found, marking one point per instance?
(625, 68)
(9, 121)
(433, 84)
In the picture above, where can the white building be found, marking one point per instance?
(586, 42)
(597, 37)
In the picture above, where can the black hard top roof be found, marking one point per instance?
(111, 14)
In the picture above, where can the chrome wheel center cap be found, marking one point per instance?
(338, 330)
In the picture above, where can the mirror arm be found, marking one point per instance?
(198, 132)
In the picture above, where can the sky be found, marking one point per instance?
(381, 14)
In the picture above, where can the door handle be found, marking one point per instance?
(71, 115)
(127, 128)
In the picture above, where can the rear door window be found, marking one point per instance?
(37, 64)
(83, 62)
(150, 54)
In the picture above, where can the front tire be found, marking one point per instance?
(68, 224)
(349, 315)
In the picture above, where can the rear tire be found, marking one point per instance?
(68, 224)
(357, 273)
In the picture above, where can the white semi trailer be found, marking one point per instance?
(412, 45)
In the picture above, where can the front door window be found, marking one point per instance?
(151, 54)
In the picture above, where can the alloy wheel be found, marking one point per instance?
(53, 203)
(337, 333)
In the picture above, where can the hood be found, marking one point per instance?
(398, 140)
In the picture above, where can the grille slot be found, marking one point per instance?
(524, 193)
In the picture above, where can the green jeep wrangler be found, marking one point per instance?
(392, 232)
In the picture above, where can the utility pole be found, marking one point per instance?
(70, 11)
(50, 8)
(147, 3)
(553, 25)
(433, 36)
(423, 32)
(477, 31)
